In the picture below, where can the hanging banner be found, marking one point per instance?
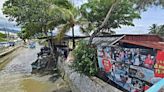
(159, 66)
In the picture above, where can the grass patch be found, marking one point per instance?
(2, 40)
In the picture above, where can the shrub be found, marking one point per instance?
(85, 59)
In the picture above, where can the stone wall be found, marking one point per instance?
(82, 83)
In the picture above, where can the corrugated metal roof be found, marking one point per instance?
(149, 44)
(104, 41)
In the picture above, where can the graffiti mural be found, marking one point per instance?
(131, 68)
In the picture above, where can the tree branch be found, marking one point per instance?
(103, 23)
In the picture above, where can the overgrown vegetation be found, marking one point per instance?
(85, 59)
(2, 40)
(2, 37)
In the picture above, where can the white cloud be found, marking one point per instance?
(4, 21)
(1, 6)
(78, 3)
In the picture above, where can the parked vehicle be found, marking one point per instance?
(32, 45)
(11, 43)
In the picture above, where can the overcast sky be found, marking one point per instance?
(154, 15)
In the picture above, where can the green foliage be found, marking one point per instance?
(95, 11)
(158, 30)
(2, 39)
(85, 59)
(24, 34)
(145, 4)
(2, 35)
(38, 16)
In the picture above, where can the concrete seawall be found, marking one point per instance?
(8, 51)
(6, 56)
(82, 83)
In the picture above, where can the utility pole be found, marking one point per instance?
(6, 32)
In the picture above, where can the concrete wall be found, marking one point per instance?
(8, 51)
(82, 83)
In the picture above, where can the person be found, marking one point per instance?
(126, 57)
(145, 87)
(133, 56)
(137, 60)
(113, 75)
(148, 61)
(106, 63)
(136, 87)
(122, 56)
(114, 67)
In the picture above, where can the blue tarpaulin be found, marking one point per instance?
(156, 87)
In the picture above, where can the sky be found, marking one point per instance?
(154, 15)
(4, 23)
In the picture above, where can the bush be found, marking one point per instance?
(2, 35)
(85, 59)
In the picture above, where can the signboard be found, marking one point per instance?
(159, 66)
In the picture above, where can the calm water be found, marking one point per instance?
(16, 75)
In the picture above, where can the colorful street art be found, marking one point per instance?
(131, 68)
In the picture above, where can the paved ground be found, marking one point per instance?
(18, 69)
(15, 75)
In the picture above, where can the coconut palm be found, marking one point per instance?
(161, 30)
(72, 21)
(158, 30)
(154, 29)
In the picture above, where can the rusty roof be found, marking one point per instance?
(148, 44)
(153, 38)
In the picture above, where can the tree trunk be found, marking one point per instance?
(103, 23)
(73, 39)
(50, 43)
(24, 40)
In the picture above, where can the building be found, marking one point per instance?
(134, 62)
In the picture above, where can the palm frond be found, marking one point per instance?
(62, 30)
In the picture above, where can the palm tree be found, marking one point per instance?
(161, 30)
(154, 29)
(72, 21)
(158, 30)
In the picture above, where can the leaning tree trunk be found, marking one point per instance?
(24, 41)
(54, 50)
(103, 23)
(50, 43)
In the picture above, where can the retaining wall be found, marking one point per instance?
(82, 83)
(8, 51)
